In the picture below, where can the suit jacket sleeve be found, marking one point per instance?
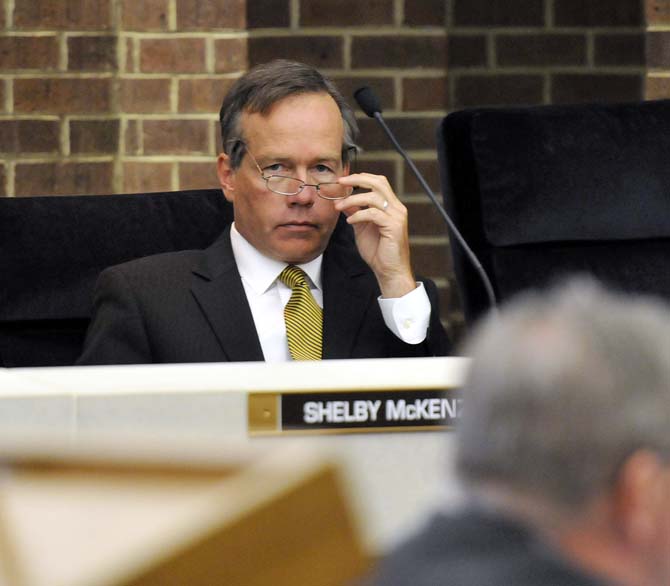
(437, 342)
(117, 334)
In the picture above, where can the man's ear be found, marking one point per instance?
(226, 175)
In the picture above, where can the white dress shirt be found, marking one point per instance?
(407, 317)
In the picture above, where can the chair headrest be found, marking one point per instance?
(53, 248)
(570, 173)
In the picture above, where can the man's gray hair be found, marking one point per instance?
(265, 85)
(563, 388)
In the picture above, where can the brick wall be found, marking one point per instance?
(658, 49)
(545, 51)
(101, 96)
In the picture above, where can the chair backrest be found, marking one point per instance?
(53, 248)
(543, 192)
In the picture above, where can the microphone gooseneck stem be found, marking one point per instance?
(452, 227)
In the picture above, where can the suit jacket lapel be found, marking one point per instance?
(348, 290)
(218, 288)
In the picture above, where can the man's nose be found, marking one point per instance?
(307, 196)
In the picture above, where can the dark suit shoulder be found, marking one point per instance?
(147, 276)
(171, 261)
(474, 549)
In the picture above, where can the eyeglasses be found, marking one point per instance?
(291, 186)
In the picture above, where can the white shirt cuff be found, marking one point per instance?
(407, 316)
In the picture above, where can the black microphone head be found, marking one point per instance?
(368, 101)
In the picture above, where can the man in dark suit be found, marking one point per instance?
(287, 138)
(563, 450)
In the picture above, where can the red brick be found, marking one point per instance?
(424, 93)
(230, 55)
(183, 55)
(466, 50)
(94, 136)
(346, 13)
(62, 96)
(398, 51)
(29, 52)
(147, 15)
(497, 90)
(131, 61)
(147, 177)
(413, 133)
(202, 95)
(498, 13)
(657, 11)
(64, 179)
(268, 13)
(576, 88)
(2, 96)
(210, 14)
(198, 175)
(598, 13)
(620, 49)
(426, 13)
(424, 220)
(372, 137)
(132, 138)
(431, 260)
(176, 137)
(145, 96)
(657, 88)
(431, 173)
(322, 52)
(540, 50)
(91, 53)
(382, 86)
(29, 136)
(383, 167)
(658, 49)
(69, 15)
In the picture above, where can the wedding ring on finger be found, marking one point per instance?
(385, 205)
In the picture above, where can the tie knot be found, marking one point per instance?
(293, 277)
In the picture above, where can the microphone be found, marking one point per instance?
(369, 103)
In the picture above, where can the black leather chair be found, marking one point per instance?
(53, 248)
(544, 192)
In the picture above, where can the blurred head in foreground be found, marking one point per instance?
(566, 426)
(563, 450)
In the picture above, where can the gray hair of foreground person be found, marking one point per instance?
(269, 83)
(564, 388)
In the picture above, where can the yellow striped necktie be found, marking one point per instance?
(303, 317)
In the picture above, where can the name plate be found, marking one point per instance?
(353, 411)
